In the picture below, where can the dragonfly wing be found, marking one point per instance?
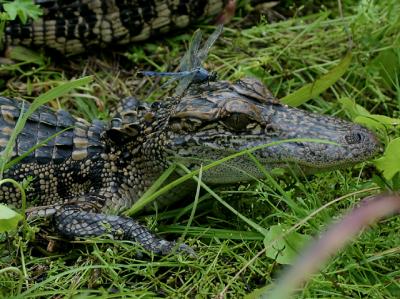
(170, 81)
(208, 44)
(176, 76)
(187, 61)
(194, 49)
(184, 84)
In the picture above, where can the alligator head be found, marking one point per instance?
(222, 118)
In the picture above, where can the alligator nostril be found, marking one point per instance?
(354, 137)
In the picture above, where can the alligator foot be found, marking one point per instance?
(73, 222)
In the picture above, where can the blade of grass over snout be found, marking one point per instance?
(39, 101)
(145, 200)
(311, 90)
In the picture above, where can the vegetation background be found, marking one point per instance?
(286, 46)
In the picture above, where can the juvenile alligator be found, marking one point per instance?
(92, 171)
(75, 25)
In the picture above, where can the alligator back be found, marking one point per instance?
(62, 136)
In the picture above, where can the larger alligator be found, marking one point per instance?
(76, 25)
(92, 171)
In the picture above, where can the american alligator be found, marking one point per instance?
(72, 26)
(92, 171)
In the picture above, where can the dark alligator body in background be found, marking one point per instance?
(72, 26)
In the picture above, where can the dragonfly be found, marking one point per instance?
(190, 69)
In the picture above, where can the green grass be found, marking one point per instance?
(285, 55)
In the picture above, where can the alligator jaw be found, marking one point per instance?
(223, 118)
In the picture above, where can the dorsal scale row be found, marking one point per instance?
(78, 139)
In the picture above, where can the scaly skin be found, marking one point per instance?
(94, 170)
(76, 25)
(251, 117)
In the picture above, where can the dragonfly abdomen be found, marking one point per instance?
(165, 74)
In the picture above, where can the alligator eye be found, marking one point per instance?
(238, 121)
(354, 138)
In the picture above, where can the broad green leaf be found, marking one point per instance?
(11, 10)
(352, 108)
(387, 62)
(377, 122)
(284, 250)
(386, 120)
(22, 16)
(389, 163)
(311, 90)
(8, 219)
(369, 123)
(361, 116)
(24, 9)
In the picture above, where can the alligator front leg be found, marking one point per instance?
(72, 222)
(81, 220)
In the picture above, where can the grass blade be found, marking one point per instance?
(311, 90)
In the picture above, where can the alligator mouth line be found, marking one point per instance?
(269, 164)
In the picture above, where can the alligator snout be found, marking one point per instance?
(231, 118)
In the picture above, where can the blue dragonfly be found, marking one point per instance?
(190, 69)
